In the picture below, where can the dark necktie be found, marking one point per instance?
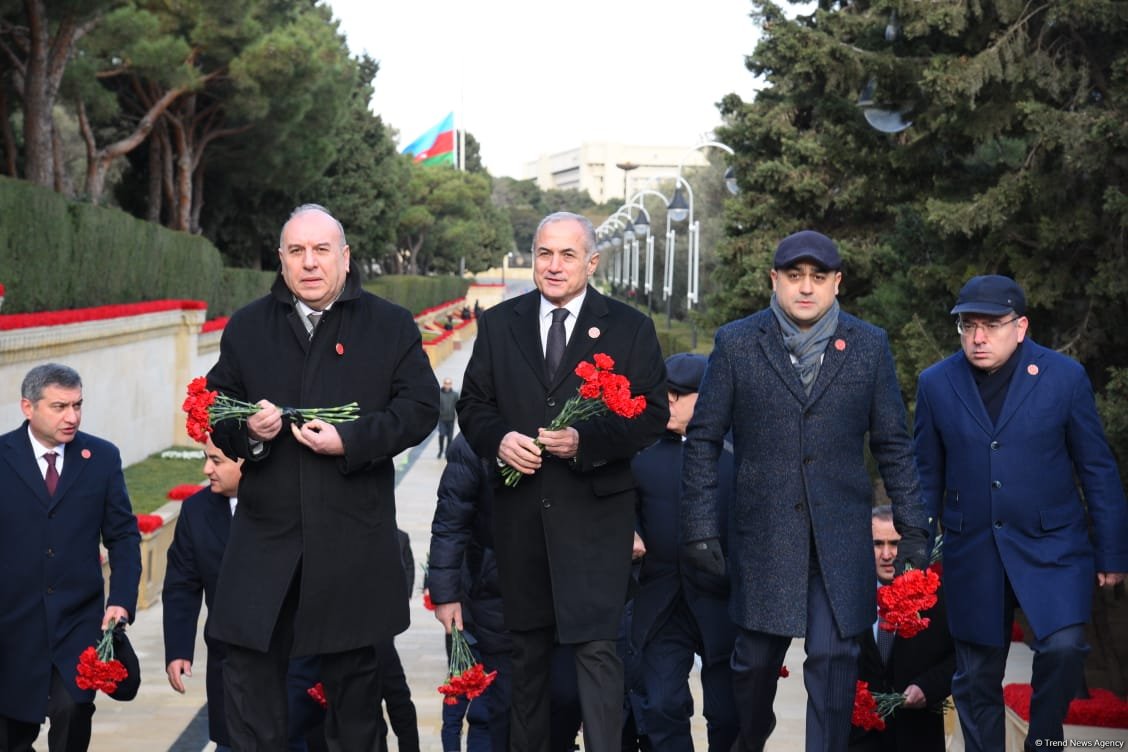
(554, 348)
(314, 317)
(52, 477)
(885, 644)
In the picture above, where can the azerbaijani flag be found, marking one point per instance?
(436, 146)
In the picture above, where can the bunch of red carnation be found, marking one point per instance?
(205, 408)
(601, 390)
(866, 714)
(97, 667)
(900, 603)
(466, 676)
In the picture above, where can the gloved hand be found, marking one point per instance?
(912, 549)
(705, 555)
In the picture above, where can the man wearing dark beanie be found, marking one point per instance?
(801, 385)
(1007, 433)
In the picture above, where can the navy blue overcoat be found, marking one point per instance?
(52, 595)
(1007, 493)
(801, 473)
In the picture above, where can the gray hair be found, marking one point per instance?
(317, 208)
(563, 216)
(883, 513)
(48, 374)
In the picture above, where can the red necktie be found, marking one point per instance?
(52, 477)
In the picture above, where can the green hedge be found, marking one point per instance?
(58, 254)
(418, 293)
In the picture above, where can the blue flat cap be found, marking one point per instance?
(807, 245)
(991, 295)
(684, 372)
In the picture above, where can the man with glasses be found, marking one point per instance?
(1005, 432)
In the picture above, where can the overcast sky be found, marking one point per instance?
(526, 77)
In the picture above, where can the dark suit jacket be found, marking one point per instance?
(800, 469)
(51, 587)
(190, 578)
(927, 660)
(563, 535)
(664, 580)
(1007, 493)
(334, 515)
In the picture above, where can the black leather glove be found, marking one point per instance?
(705, 555)
(912, 549)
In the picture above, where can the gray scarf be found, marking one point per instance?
(806, 346)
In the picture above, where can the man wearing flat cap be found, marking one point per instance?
(679, 610)
(801, 385)
(1005, 432)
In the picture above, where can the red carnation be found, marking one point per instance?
(317, 692)
(900, 603)
(601, 390)
(865, 713)
(97, 668)
(466, 676)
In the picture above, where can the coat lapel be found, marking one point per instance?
(835, 354)
(526, 334)
(1023, 381)
(963, 384)
(771, 341)
(17, 452)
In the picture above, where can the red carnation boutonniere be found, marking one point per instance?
(205, 408)
(601, 390)
(97, 668)
(465, 676)
(317, 692)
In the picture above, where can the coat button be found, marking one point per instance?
(50, 590)
(551, 402)
(546, 503)
(996, 484)
(50, 553)
(998, 524)
(807, 460)
(799, 507)
(994, 445)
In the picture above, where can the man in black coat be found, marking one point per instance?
(305, 571)
(679, 610)
(920, 667)
(202, 529)
(563, 533)
(53, 511)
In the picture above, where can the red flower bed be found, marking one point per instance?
(98, 313)
(1103, 708)
(147, 523)
(214, 325)
(183, 491)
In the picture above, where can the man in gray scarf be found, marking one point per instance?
(801, 385)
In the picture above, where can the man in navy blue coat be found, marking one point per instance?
(194, 558)
(803, 387)
(53, 511)
(679, 610)
(1006, 431)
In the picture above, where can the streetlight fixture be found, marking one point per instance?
(678, 207)
(730, 181)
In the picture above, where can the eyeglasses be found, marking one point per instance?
(990, 328)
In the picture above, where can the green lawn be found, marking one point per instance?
(149, 481)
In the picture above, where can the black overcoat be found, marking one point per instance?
(563, 535)
(334, 517)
